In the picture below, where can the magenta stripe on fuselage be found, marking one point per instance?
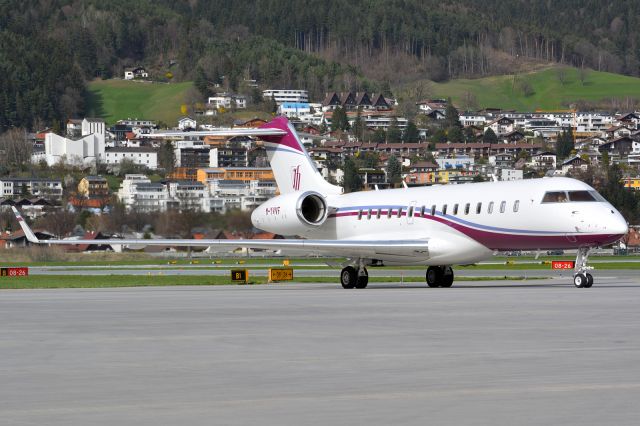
(506, 241)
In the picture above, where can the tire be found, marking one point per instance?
(433, 276)
(579, 280)
(349, 277)
(447, 277)
(589, 282)
(362, 280)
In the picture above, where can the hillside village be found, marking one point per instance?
(359, 134)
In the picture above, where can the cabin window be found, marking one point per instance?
(478, 208)
(490, 207)
(368, 214)
(555, 197)
(400, 212)
(359, 214)
(444, 210)
(516, 205)
(378, 213)
(466, 208)
(581, 196)
(503, 206)
(410, 213)
(389, 212)
(455, 209)
(433, 210)
(422, 211)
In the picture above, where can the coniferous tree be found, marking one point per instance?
(451, 116)
(351, 180)
(489, 136)
(564, 143)
(411, 133)
(394, 170)
(394, 134)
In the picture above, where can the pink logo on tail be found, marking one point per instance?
(295, 178)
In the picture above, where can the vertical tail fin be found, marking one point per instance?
(292, 167)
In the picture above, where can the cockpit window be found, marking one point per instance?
(555, 197)
(575, 196)
(581, 196)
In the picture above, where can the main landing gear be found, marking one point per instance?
(350, 277)
(439, 276)
(582, 278)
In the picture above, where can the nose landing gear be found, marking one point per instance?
(582, 278)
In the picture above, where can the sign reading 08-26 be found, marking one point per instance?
(14, 272)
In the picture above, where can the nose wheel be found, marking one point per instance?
(582, 278)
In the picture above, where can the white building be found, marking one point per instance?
(471, 119)
(18, 187)
(139, 193)
(460, 162)
(187, 123)
(282, 95)
(190, 195)
(93, 126)
(82, 152)
(294, 109)
(138, 72)
(243, 195)
(227, 101)
(142, 156)
(511, 174)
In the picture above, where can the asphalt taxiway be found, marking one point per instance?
(526, 353)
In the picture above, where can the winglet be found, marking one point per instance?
(25, 228)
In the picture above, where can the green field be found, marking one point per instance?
(548, 92)
(113, 100)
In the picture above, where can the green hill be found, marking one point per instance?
(538, 90)
(113, 100)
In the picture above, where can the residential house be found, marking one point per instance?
(501, 126)
(573, 164)
(422, 173)
(135, 73)
(543, 160)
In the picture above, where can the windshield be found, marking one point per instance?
(573, 196)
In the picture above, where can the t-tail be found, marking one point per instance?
(292, 166)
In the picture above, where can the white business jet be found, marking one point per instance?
(435, 226)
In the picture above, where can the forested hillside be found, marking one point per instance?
(50, 48)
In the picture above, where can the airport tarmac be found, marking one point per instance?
(480, 353)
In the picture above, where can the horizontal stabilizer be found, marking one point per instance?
(230, 132)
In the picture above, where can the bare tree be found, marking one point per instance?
(59, 223)
(561, 73)
(15, 149)
(583, 74)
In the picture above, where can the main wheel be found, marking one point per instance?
(579, 280)
(349, 277)
(363, 280)
(447, 277)
(434, 276)
(589, 282)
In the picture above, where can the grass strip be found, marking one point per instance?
(109, 281)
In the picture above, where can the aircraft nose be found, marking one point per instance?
(618, 224)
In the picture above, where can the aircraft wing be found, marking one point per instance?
(370, 248)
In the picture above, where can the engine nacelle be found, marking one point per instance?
(297, 213)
